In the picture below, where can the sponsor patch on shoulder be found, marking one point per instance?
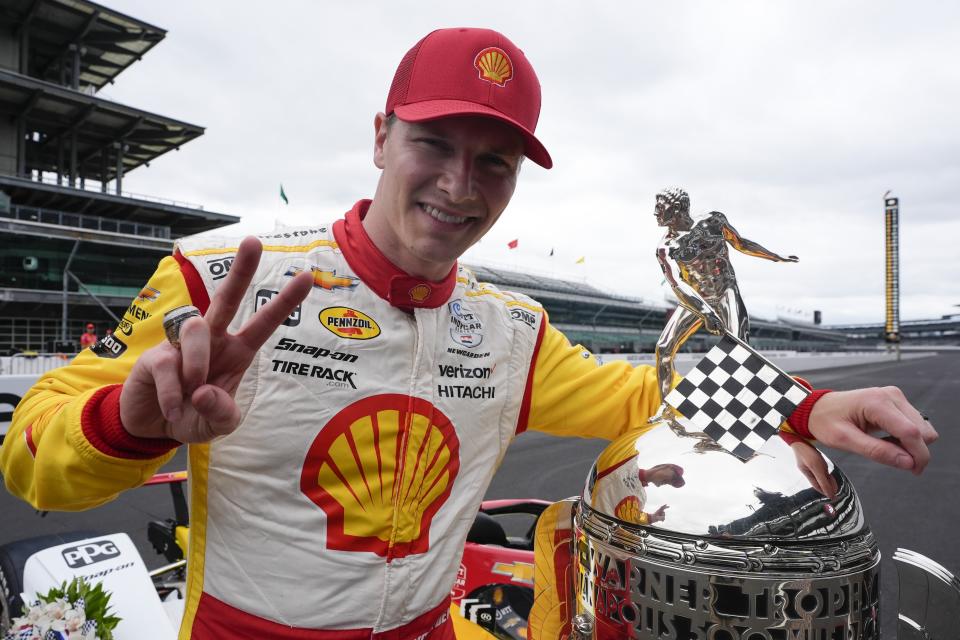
(524, 316)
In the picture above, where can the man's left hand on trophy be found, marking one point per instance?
(878, 423)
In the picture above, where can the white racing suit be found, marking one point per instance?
(373, 421)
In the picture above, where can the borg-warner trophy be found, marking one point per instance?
(699, 525)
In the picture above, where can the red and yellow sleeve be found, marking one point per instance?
(569, 394)
(66, 448)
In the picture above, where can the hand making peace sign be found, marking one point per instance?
(187, 395)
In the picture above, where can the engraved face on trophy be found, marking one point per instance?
(672, 205)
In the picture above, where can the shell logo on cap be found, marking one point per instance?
(380, 470)
(419, 293)
(494, 65)
(349, 323)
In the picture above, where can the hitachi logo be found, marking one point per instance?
(289, 344)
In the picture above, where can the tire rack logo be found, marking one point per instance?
(348, 323)
(89, 553)
(381, 469)
(109, 347)
(263, 297)
(220, 267)
(465, 328)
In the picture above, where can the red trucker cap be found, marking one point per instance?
(464, 71)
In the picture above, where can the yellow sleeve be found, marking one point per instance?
(572, 395)
(60, 452)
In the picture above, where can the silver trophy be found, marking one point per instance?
(673, 538)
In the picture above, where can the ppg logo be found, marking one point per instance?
(89, 553)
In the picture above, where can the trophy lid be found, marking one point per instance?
(666, 478)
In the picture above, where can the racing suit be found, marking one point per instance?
(372, 423)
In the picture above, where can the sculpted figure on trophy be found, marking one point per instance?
(696, 263)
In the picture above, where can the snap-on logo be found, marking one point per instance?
(89, 553)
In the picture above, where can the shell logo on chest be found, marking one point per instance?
(380, 470)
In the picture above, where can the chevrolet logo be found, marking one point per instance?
(327, 280)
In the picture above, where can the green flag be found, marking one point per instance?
(283, 196)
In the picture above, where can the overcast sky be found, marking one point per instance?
(791, 118)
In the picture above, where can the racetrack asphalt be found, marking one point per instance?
(921, 513)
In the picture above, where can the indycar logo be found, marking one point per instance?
(465, 328)
(381, 469)
(89, 553)
(264, 296)
(348, 323)
(327, 280)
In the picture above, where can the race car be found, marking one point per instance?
(491, 598)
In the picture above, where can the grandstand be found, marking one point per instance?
(944, 331)
(609, 323)
(74, 246)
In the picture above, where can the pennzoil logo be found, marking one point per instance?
(380, 470)
(494, 65)
(349, 323)
(327, 280)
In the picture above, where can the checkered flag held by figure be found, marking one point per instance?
(737, 397)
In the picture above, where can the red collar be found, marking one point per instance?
(387, 280)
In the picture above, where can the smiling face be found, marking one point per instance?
(444, 183)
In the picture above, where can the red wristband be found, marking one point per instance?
(102, 427)
(799, 420)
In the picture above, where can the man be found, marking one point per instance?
(349, 391)
(89, 337)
